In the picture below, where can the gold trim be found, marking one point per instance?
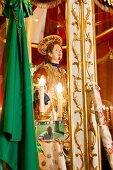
(35, 46)
(104, 33)
(103, 59)
(93, 154)
(45, 4)
(3, 26)
(69, 73)
(77, 89)
(1, 7)
(104, 7)
(43, 44)
(85, 13)
(3, 40)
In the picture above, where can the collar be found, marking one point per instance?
(55, 65)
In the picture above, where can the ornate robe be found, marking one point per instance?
(53, 75)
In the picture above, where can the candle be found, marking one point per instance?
(59, 94)
(41, 93)
(54, 113)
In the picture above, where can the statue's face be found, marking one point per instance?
(56, 54)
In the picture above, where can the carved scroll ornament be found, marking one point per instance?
(106, 5)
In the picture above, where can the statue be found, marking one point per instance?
(55, 88)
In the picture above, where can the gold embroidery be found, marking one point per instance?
(43, 163)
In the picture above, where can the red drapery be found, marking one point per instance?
(2, 45)
(104, 42)
(55, 24)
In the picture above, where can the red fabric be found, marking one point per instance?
(51, 21)
(105, 80)
(2, 45)
(55, 24)
(104, 42)
(1, 72)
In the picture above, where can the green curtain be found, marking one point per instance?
(17, 133)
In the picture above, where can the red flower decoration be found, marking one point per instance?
(100, 114)
(110, 150)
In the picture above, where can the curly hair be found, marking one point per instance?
(49, 49)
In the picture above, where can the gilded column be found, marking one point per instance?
(82, 65)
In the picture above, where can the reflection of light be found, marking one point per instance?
(58, 26)
(103, 106)
(59, 88)
(111, 107)
(111, 55)
(42, 81)
(106, 108)
(36, 20)
(0, 109)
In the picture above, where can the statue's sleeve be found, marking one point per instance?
(39, 73)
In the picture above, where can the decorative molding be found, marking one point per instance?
(83, 50)
(47, 4)
(77, 78)
(108, 31)
(89, 66)
(103, 59)
(105, 5)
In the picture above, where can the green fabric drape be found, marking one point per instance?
(17, 134)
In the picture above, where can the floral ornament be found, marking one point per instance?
(60, 154)
(55, 161)
(100, 114)
(51, 166)
(48, 155)
(105, 5)
(106, 137)
(102, 118)
(43, 163)
(110, 150)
